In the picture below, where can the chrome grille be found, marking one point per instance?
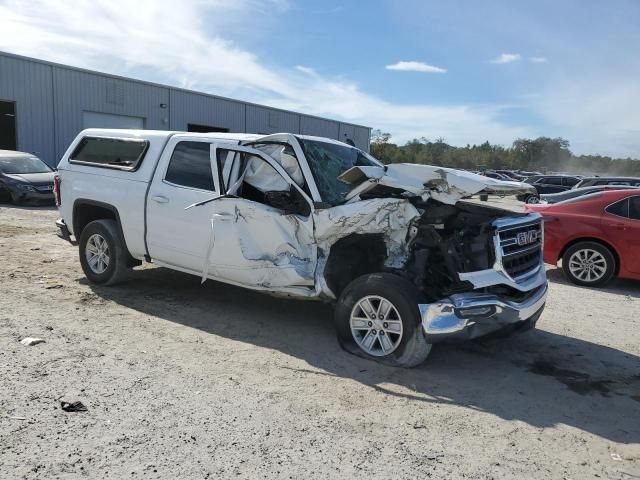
(520, 249)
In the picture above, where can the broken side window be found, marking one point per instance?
(252, 178)
(283, 154)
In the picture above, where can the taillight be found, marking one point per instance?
(56, 190)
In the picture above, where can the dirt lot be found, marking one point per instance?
(189, 381)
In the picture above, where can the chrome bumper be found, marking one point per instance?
(470, 315)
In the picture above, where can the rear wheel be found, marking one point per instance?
(377, 317)
(102, 253)
(589, 264)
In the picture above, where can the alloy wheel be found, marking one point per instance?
(376, 325)
(587, 265)
(97, 253)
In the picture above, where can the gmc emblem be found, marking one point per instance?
(526, 238)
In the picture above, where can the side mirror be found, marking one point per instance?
(290, 201)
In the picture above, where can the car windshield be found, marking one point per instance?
(21, 165)
(328, 161)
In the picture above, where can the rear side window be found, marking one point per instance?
(190, 166)
(551, 181)
(570, 181)
(119, 153)
(634, 208)
(620, 209)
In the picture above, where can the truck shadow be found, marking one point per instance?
(541, 378)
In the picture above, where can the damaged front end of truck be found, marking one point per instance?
(478, 268)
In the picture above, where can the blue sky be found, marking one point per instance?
(467, 71)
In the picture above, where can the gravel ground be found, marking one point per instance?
(189, 381)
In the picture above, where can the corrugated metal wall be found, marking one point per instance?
(268, 120)
(201, 109)
(29, 85)
(50, 101)
(77, 91)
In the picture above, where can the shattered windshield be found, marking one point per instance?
(330, 160)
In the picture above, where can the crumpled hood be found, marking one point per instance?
(443, 184)
(35, 178)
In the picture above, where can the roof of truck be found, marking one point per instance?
(118, 132)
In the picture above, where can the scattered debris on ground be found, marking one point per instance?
(31, 341)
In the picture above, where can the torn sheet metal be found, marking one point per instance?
(256, 245)
(443, 184)
(390, 217)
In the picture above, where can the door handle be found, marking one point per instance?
(160, 199)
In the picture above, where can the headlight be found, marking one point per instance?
(23, 187)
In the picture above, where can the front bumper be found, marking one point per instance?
(470, 315)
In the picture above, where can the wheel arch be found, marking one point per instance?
(353, 256)
(86, 211)
(602, 242)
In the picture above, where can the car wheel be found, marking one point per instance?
(102, 253)
(377, 317)
(589, 264)
(532, 199)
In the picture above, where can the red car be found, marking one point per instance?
(597, 236)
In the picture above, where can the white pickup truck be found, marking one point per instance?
(406, 261)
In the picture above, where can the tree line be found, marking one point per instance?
(542, 154)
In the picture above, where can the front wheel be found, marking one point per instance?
(589, 264)
(532, 200)
(377, 317)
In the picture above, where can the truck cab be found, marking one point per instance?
(405, 259)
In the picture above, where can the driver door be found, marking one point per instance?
(262, 225)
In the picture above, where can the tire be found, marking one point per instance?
(593, 253)
(405, 343)
(115, 253)
(532, 199)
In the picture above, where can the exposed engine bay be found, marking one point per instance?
(451, 239)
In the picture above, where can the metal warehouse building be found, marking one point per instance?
(44, 105)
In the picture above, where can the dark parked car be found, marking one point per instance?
(595, 181)
(24, 178)
(548, 184)
(551, 198)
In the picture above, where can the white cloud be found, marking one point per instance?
(507, 58)
(189, 47)
(306, 70)
(538, 59)
(415, 67)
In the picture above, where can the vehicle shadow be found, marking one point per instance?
(539, 377)
(618, 286)
(13, 206)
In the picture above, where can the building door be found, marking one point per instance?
(192, 127)
(108, 120)
(8, 139)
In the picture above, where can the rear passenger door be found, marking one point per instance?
(177, 235)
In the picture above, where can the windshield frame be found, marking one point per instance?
(343, 188)
(18, 159)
